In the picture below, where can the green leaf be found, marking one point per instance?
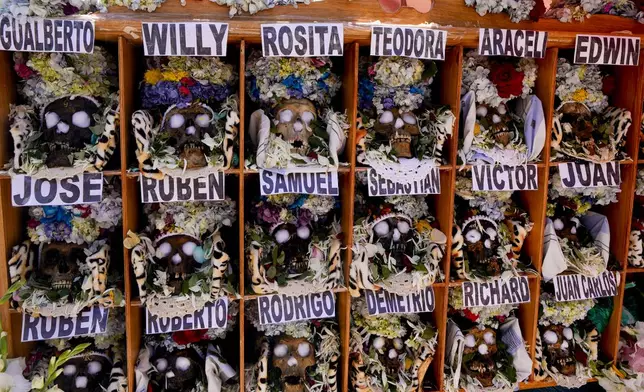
(274, 254)
(14, 287)
(281, 280)
(272, 272)
(280, 259)
(385, 273)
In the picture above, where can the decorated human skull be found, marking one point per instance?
(559, 346)
(89, 372)
(293, 119)
(294, 241)
(498, 121)
(389, 351)
(480, 347)
(181, 254)
(178, 370)
(395, 233)
(481, 236)
(401, 128)
(185, 128)
(58, 264)
(293, 356)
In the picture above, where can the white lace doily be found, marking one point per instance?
(174, 306)
(67, 310)
(402, 284)
(405, 171)
(190, 173)
(55, 172)
(298, 287)
(503, 156)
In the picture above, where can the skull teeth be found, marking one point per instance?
(62, 284)
(192, 146)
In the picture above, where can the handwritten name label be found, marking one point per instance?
(516, 43)
(91, 321)
(46, 35)
(576, 287)
(213, 315)
(185, 39)
(169, 189)
(321, 183)
(84, 189)
(504, 178)
(607, 50)
(589, 175)
(409, 42)
(380, 186)
(302, 39)
(384, 302)
(281, 308)
(496, 292)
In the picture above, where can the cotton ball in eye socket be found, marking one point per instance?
(488, 244)
(286, 115)
(550, 337)
(280, 350)
(409, 118)
(558, 224)
(496, 119)
(81, 382)
(51, 119)
(188, 248)
(177, 120)
(470, 340)
(303, 232)
(164, 249)
(473, 236)
(182, 363)
(161, 364)
(303, 349)
(481, 111)
(378, 342)
(382, 228)
(281, 236)
(502, 109)
(386, 117)
(202, 120)
(393, 353)
(398, 344)
(403, 227)
(94, 367)
(81, 119)
(69, 370)
(489, 338)
(567, 333)
(490, 232)
(483, 350)
(307, 117)
(573, 230)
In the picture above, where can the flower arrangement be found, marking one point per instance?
(390, 352)
(585, 127)
(194, 102)
(636, 245)
(397, 245)
(238, 7)
(492, 316)
(11, 378)
(503, 123)
(179, 260)
(56, 8)
(580, 10)
(293, 244)
(296, 92)
(517, 10)
(69, 122)
(488, 234)
(64, 265)
(579, 199)
(136, 5)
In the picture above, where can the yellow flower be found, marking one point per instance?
(477, 129)
(422, 226)
(580, 95)
(582, 72)
(173, 76)
(153, 76)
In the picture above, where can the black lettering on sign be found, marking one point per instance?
(574, 287)
(282, 308)
(316, 183)
(607, 50)
(496, 292)
(79, 189)
(589, 175)
(382, 302)
(302, 40)
(91, 321)
(408, 42)
(46, 35)
(504, 178)
(213, 315)
(516, 43)
(171, 189)
(185, 39)
(381, 186)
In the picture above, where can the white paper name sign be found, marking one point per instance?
(380, 186)
(504, 178)
(171, 189)
(589, 175)
(576, 287)
(90, 321)
(412, 42)
(86, 188)
(607, 50)
(281, 308)
(46, 35)
(213, 315)
(314, 183)
(516, 43)
(496, 292)
(384, 302)
(302, 39)
(185, 39)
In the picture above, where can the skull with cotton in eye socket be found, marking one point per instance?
(293, 356)
(395, 233)
(58, 264)
(400, 129)
(185, 129)
(65, 125)
(480, 347)
(177, 371)
(481, 243)
(498, 122)
(389, 351)
(85, 373)
(294, 242)
(294, 117)
(180, 254)
(560, 348)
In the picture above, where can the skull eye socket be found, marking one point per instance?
(62, 127)
(489, 338)
(303, 232)
(393, 353)
(280, 350)
(303, 349)
(202, 120)
(69, 370)
(286, 115)
(381, 229)
(403, 227)
(51, 119)
(473, 236)
(164, 249)
(282, 235)
(470, 340)
(161, 364)
(307, 117)
(188, 248)
(386, 117)
(94, 367)
(182, 363)
(81, 119)
(550, 337)
(177, 120)
(409, 118)
(567, 333)
(398, 344)
(378, 342)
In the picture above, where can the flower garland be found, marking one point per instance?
(581, 83)
(578, 199)
(580, 10)
(518, 10)
(52, 8)
(627, 375)
(136, 5)
(238, 7)
(563, 313)
(492, 316)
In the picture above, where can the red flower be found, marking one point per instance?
(183, 90)
(23, 71)
(508, 81)
(185, 337)
(608, 85)
(32, 224)
(469, 315)
(188, 82)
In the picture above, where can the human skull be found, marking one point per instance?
(180, 253)
(569, 228)
(401, 129)
(560, 348)
(293, 119)
(497, 121)
(294, 242)
(177, 371)
(85, 373)
(394, 232)
(480, 345)
(293, 356)
(65, 125)
(389, 351)
(185, 128)
(481, 236)
(58, 265)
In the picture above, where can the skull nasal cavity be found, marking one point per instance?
(399, 123)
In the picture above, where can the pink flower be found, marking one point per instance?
(371, 70)
(317, 62)
(23, 71)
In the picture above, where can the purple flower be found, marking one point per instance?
(268, 213)
(388, 103)
(304, 217)
(293, 93)
(69, 9)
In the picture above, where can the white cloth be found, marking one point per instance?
(554, 261)
(513, 339)
(455, 343)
